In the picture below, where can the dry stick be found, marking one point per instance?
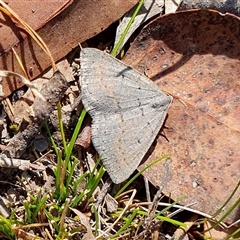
(9, 104)
(105, 189)
(156, 199)
(146, 183)
(121, 214)
(52, 91)
(187, 208)
(14, 163)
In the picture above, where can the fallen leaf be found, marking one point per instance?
(35, 13)
(84, 138)
(111, 203)
(85, 222)
(75, 24)
(194, 56)
(219, 233)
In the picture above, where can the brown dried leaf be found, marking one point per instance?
(111, 203)
(194, 56)
(84, 137)
(85, 222)
(219, 233)
(75, 24)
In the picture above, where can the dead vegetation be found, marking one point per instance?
(53, 184)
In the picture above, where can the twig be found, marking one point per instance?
(52, 91)
(157, 196)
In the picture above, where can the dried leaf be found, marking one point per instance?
(111, 203)
(56, 33)
(85, 222)
(190, 55)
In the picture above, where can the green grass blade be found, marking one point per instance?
(128, 222)
(170, 206)
(39, 205)
(74, 137)
(224, 216)
(228, 211)
(117, 46)
(92, 174)
(233, 234)
(78, 199)
(95, 211)
(54, 220)
(6, 228)
(70, 175)
(27, 211)
(60, 122)
(50, 137)
(139, 173)
(58, 171)
(167, 219)
(91, 185)
(78, 181)
(63, 234)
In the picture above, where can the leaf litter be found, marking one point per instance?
(85, 221)
(197, 53)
